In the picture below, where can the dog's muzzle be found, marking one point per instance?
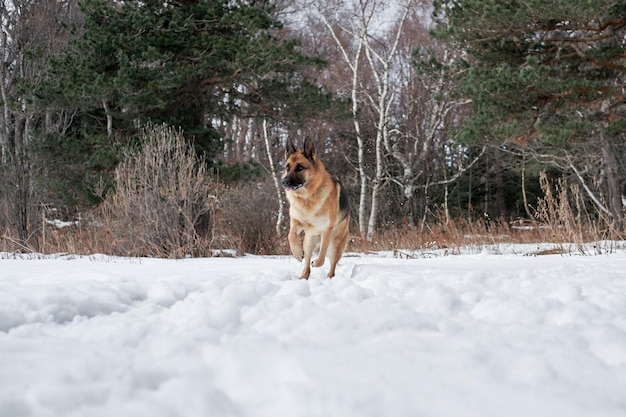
(291, 185)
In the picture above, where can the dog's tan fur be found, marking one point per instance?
(317, 206)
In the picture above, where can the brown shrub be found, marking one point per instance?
(247, 219)
(163, 200)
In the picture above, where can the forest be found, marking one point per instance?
(158, 128)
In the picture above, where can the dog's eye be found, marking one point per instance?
(299, 168)
(287, 167)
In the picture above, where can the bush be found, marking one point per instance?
(163, 199)
(247, 219)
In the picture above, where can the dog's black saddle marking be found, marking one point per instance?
(344, 203)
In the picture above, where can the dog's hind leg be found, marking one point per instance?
(336, 248)
(334, 256)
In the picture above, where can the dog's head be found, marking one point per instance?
(299, 164)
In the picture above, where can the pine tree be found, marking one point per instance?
(545, 74)
(185, 63)
(191, 64)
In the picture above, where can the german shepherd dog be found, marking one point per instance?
(318, 206)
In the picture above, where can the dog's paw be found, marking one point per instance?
(298, 255)
(318, 262)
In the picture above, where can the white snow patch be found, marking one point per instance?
(470, 335)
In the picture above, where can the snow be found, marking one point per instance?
(478, 334)
(60, 224)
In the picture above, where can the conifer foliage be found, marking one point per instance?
(186, 63)
(546, 74)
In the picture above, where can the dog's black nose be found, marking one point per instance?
(290, 184)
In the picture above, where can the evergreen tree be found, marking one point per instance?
(192, 64)
(545, 74)
(186, 63)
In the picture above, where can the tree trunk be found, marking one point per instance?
(21, 183)
(279, 195)
(6, 115)
(614, 191)
(524, 196)
(498, 173)
(107, 111)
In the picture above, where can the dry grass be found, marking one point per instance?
(451, 236)
(249, 233)
(567, 219)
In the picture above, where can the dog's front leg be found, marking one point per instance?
(325, 240)
(294, 240)
(309, 245)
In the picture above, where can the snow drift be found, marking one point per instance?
(470, 335)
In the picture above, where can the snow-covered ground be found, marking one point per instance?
(467, 335)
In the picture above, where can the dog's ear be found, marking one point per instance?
(289, 148)
(309, 149)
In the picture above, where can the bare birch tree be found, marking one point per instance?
(367, 34)
(275, 179)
